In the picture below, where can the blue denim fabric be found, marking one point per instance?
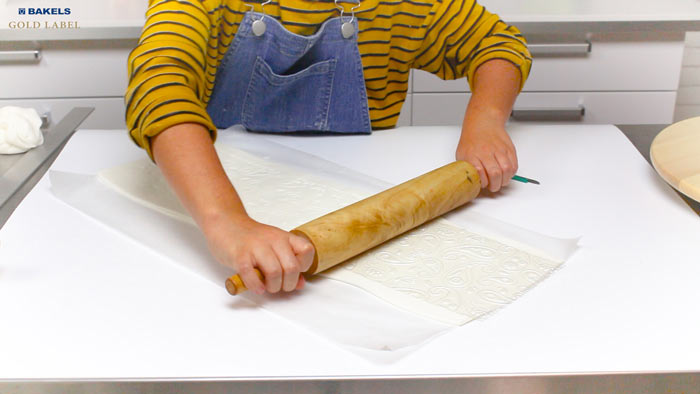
(285, 82)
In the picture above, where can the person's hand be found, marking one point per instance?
(487, 146)
(245, 244)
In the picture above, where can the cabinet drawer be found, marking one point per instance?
(405, 116)
(598, 107)
(609, 66)
(108, 113)
(65, 69)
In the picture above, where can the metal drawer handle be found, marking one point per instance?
(549, 114)
(32, 56)
(579, 49)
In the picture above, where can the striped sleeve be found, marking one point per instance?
(461, 35)
(167, 70)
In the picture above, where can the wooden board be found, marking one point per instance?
(675, 154)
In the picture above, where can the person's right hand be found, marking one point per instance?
(245, 244)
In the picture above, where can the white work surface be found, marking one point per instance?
(80, 300)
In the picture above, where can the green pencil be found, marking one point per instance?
(524, 180)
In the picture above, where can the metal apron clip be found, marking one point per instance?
(259, 26)
(347, 29)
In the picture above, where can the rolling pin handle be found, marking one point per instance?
(235, 285)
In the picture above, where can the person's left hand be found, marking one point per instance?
(486, 145)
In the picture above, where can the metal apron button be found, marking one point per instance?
(259, 27)
(347, 29)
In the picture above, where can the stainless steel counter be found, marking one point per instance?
(20, 172)
(533, 384)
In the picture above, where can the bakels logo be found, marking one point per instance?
(43, 13)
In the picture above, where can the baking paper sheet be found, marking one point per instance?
(341, 312)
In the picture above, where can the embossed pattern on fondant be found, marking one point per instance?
(439, 271)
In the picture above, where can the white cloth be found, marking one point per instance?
(20, 130)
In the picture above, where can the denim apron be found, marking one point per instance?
(284, 82)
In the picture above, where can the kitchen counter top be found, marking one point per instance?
(91, 303)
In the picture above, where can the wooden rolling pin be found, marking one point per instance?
(349, 231)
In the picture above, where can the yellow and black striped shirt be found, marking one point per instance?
(172, 70)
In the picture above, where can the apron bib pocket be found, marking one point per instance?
(281, 82)
(295, 102)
